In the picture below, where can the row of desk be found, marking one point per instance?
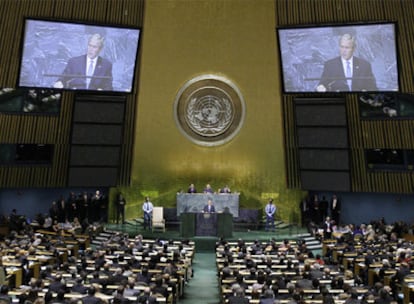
(41, 258)
(355, 261)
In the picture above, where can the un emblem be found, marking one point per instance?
(209, 110)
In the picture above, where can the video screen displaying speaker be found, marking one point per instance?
(68, 55)
(311, 58)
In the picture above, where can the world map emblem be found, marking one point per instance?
(209, 110)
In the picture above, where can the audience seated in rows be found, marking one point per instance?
(286, 270)
(120, 269)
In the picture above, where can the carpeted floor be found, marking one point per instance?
(203, 287)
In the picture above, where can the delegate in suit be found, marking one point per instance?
(209, 208)
(89, 71)
(347, 72)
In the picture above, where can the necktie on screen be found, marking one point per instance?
(349, 74)
(89, 72)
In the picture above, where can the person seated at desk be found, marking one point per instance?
(77, 227)
(226, 189)
(209, 208)
(56, 227)
(91, 297)
(208, 189)
(146, 296)
(192, 189)
(4, 290)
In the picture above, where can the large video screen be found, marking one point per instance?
(339, 58)
(78, 56)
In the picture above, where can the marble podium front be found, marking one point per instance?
(206, 224)
(187, 202)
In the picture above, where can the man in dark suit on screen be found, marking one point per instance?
(347, 72)
(89, 71)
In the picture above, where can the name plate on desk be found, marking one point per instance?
(194, 203)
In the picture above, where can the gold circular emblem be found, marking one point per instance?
(209, 110)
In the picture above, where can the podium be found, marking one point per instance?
(187, 224)
(206, 224)
(225, 225)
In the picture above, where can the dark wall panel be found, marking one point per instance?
(333, 137)
(321, 115)
(92, 177)
(97, 134)
(328, 159)
(95, 156)
(99, 112)
(325, 180)
(89, 134)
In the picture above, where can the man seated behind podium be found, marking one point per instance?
(208, 189)
(226, 189)
(347, 72)
(209, 208)
(191, 189)
(89, 71)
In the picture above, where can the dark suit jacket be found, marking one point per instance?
(304, 284)
(333, 76)
(79, 288)
(238, 300)
(267, 301)
(146, 299)
(212, 209)
(91, 300)
(77, 66)
(56, 286)
(335, 212)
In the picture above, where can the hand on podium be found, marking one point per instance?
(58, 85)
(321, 88)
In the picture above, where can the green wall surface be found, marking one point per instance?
(235, 40)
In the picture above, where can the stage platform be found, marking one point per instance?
(207, 243)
